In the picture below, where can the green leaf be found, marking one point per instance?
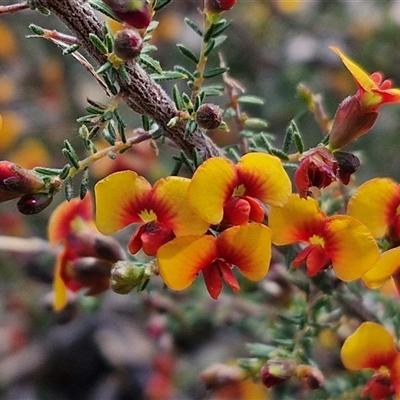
(124, 74)
(176, 94)
(298, 141)
(216, 29)
(191, 126)
(100, 6)
(213, 90)
(279, 153)
(148, 49)
(260, 350)
(187, 53)
(161, 4)
(255, 123)
(70, 49)
(47, 171)
(36, 29)
(215, 72)
(209, 47)
(65, 172)
(168, 76)
(249, 99)
(104, 68)
(146, 122)
(150, 63)
(98, 43)
(184, 71)
(191, 24)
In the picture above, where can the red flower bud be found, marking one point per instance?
(209, 116)
(16, 181)
(347, 164)
(317, 168)
(135, 13)
(33, 203)
(218, 6)
(277, 371)
(127, 44)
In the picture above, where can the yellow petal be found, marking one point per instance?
(361, 76)
(264, 178)
(374, 204)
(181, 259)
(388, 263)
(298, 220)
(370, 346)
(350, 246)
(248, 247)
(120, 197)
(172, 208)
(211, 185)
(60, 293)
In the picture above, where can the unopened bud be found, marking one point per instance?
(127, 44)
(33, 203)
(92, 273)
(16, 181)
(217, 6)
(126, 275)
(310, 376)
(277, 371)
(108, 249)
(135, 13)
(348, 164)
(209, 116)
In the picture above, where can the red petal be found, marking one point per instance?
(212, 279)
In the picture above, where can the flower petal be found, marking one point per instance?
(60, 299)
(306, 220)
(170, 203)
(374, 204)
(362, 77)
(181, 259)
(248, 247)
(388, 263)
(59, 226)
(120, 197)
(211, 186)
(212, 279)
(350, 246)
(264, 178)
(370, 346)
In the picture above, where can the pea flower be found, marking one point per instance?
(357, 114)
(221, 190)
(339, 240)
(371, 346)
(163, 212)
(86, 257)
(247, 246)
(136, 13)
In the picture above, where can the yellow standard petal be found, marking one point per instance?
(361, 76)
(374, 204)
(370, 346)
(350, 246)
(298, 220)
(181, 259)
(388, 263)
(264, 178)
(248, 247)
(60, 292)
(120, 197)
(172, 208)
(211, 185)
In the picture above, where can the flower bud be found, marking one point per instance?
(277, 371)
(107, 248)
(126, 275)
(33, 203)
(217, 6)
(92, 273)
(135, 13)
(209, 116)
(348, 164)
(310, 376)
(127, 44)
(16, 181)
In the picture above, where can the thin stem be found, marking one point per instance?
(117, 147)
(12, 8)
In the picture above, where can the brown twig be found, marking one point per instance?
(12, 8)
(142, 94)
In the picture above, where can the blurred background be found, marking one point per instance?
(153, 345)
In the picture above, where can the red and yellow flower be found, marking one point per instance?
(223, 191)
(163, 212)
(247, 246)
(339, 240)
(371, 346)
(86, 257)
(357, 114)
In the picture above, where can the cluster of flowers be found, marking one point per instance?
(231, 214)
